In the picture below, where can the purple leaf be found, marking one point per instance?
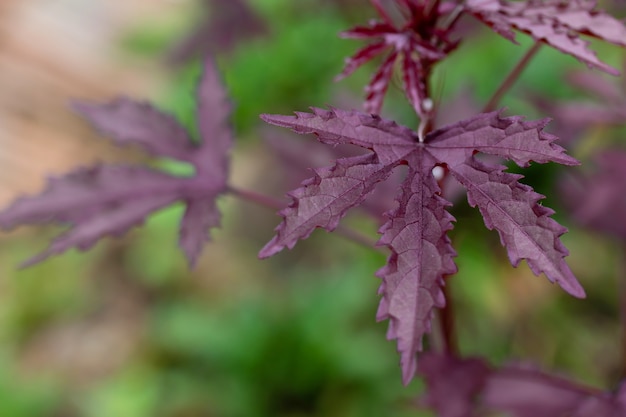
(469, 387)
(416, 230)
(526, 392)
(324, 199)
(200, 216)
(608, 108)
(421, 255)
(418, 49)
(109, 200)
(554, 22)
(525, 227)
(129, 122)
(597, 198)
(453, 384)
(226, 24)
(295, 154)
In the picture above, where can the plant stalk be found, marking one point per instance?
(275, 204)
(382, 12)
(448, 327)
(453, 17)
(511, 78)
(446, 315)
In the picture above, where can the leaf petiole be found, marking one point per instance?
(508, 82)
(276, 204)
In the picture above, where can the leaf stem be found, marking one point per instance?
(511, 78)
(276, 204)
(448, 328)
(446, 314)
(453, 17)
(431, 7)
(254, 197)
(381, 11)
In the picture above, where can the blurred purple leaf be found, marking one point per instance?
(453, 385)
(109, 199)
(469, 387)
(524, 392)
(606, 106)
(597, 198)
(226, 23)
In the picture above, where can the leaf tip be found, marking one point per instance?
(573, 288)
(409, 369)
(270, 249)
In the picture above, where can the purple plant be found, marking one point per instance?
(412, 35)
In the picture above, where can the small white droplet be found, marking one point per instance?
(438, 173)
(427, 104)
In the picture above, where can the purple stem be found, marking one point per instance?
(275, 204)
(381, 11)
(447, 321)
(511, 78)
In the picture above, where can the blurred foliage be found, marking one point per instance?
(293, 336)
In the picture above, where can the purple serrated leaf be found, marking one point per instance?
(554, 22)
(323, 200)
(421, 255)
(509, 137)
(416, 231)
(525, 228)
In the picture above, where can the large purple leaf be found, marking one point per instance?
(109, 200)
(554, 22)
(416, 231)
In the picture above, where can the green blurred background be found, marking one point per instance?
(126, 330)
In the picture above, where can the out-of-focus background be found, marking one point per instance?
(126, 330)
